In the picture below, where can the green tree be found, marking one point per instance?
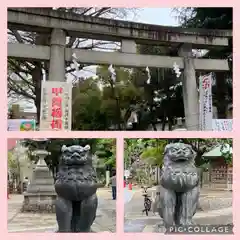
(132, 151)
(54, 148)
(103, 152)
(87, 111)
(16, 160)
(153, 154)
(100, 104)
(106, 153)
(214, 18)
(151, 150)
(30, 73)
(201, 146)
(13, 165)
(226, 150)
(163, 85)
(118, 95)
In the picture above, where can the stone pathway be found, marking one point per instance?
(128, 195)
(216, 206)
(33, 222)
(14, 206)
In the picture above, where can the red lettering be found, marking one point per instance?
(57, 112)
(56, 101)
(206, 83)
(56, 91)
(56, 124)
(57, 109)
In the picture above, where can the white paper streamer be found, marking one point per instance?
(113, 73)
(149, 75)
(176, 69)
(75, 65)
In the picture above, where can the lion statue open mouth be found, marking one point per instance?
(76, 186)
(179, 192)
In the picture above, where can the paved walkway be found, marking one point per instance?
(34, 222)
(216, 206)
(128, 195)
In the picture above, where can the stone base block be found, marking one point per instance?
(39, 203)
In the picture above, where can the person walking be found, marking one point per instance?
(26, 182)
(113, 182)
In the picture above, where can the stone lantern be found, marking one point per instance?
(40, 195)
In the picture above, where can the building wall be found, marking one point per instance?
(219, 175)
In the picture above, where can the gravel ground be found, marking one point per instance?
(17, 222)
(211, 199)
(108, 219)
(216, 200)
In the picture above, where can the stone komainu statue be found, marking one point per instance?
(179, 189)
(76, 187)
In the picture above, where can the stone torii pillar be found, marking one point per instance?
(57, 55)
(189, 86)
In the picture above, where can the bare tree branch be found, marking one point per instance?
(16, 88)
(17, 67)
(17, 36)
(86, 11)
(100, 12)
(29, 89)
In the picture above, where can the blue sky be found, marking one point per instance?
(161, 16)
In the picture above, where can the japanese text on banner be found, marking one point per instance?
(205, 98)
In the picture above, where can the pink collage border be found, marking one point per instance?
(119, 135)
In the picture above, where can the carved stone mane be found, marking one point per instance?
(76, 186)
(76, 178)
(179, 187)
(179, 171)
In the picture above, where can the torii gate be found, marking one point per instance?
(62, 24)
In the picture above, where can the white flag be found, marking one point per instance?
(205, 99)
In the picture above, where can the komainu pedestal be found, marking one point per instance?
(76, 187)
(179, 189)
